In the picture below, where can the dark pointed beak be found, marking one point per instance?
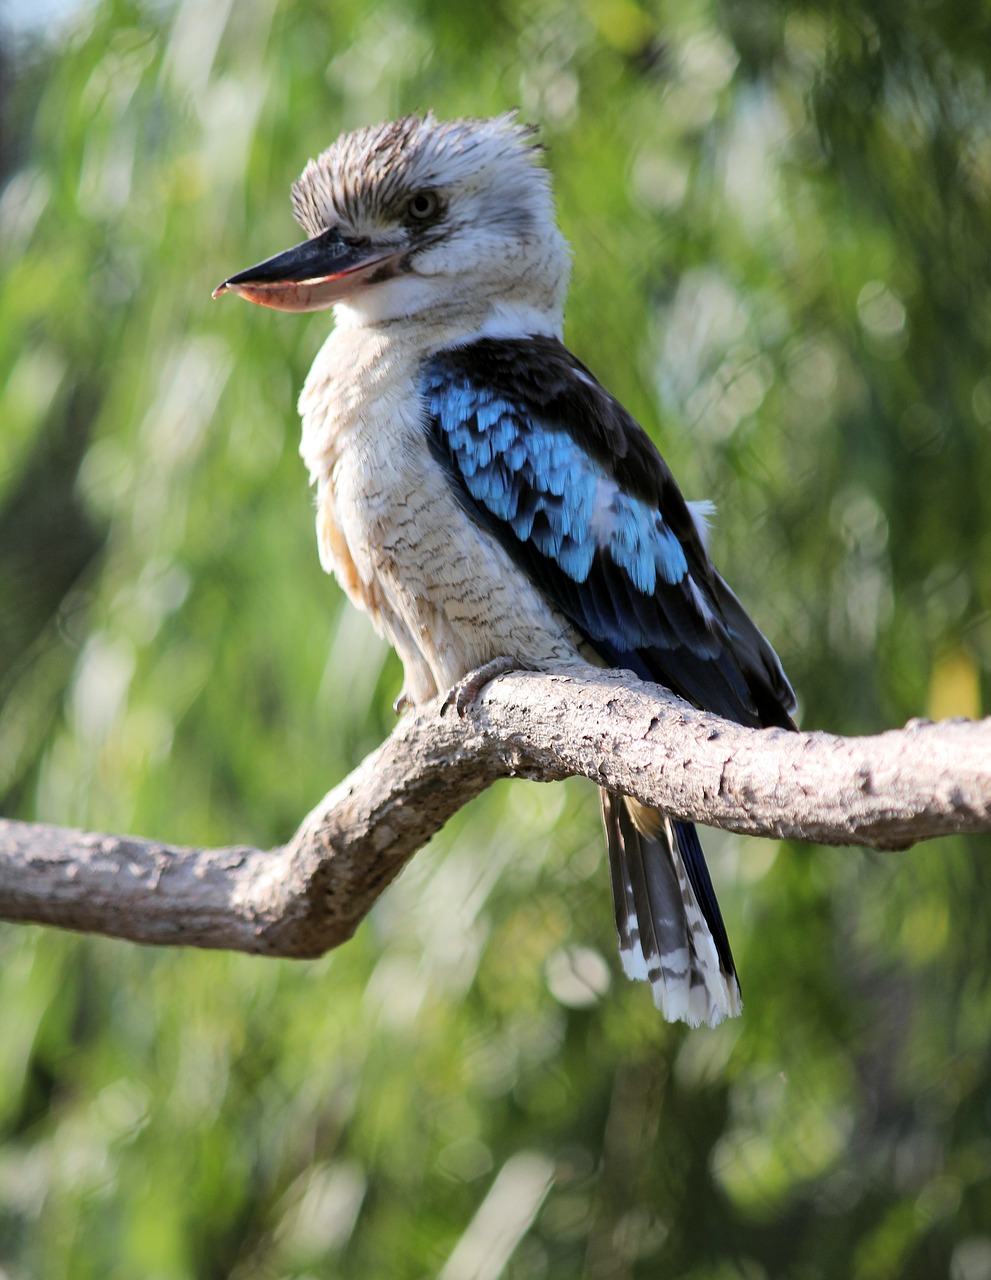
(314, 274)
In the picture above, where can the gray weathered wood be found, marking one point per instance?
(309, 895)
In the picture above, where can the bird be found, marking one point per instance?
(485, 500)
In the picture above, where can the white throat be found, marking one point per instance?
(396, 304)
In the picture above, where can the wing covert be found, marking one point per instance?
(552, 465)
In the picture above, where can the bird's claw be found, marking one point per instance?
(465, 691)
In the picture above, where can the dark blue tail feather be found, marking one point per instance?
(698, 873)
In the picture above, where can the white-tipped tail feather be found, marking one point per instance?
(664, 936)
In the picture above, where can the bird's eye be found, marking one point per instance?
(423, 205)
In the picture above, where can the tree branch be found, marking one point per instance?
(309, 895)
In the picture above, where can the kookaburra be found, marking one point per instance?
(482, 496)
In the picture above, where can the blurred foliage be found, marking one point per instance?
(780, 214)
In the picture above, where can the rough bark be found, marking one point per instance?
(309, 895)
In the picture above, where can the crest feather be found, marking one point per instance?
(363, 176)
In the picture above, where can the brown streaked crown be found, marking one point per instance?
(366, 176)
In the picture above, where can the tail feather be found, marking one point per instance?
(668, 921)
(624, 905)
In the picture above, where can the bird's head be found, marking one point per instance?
(419, 214)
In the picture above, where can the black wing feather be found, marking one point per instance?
(691, 635)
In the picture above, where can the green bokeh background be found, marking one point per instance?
(781, 217)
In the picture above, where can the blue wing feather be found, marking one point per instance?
(543, 457)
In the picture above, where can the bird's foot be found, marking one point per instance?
(402, 703)
(466, 690)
